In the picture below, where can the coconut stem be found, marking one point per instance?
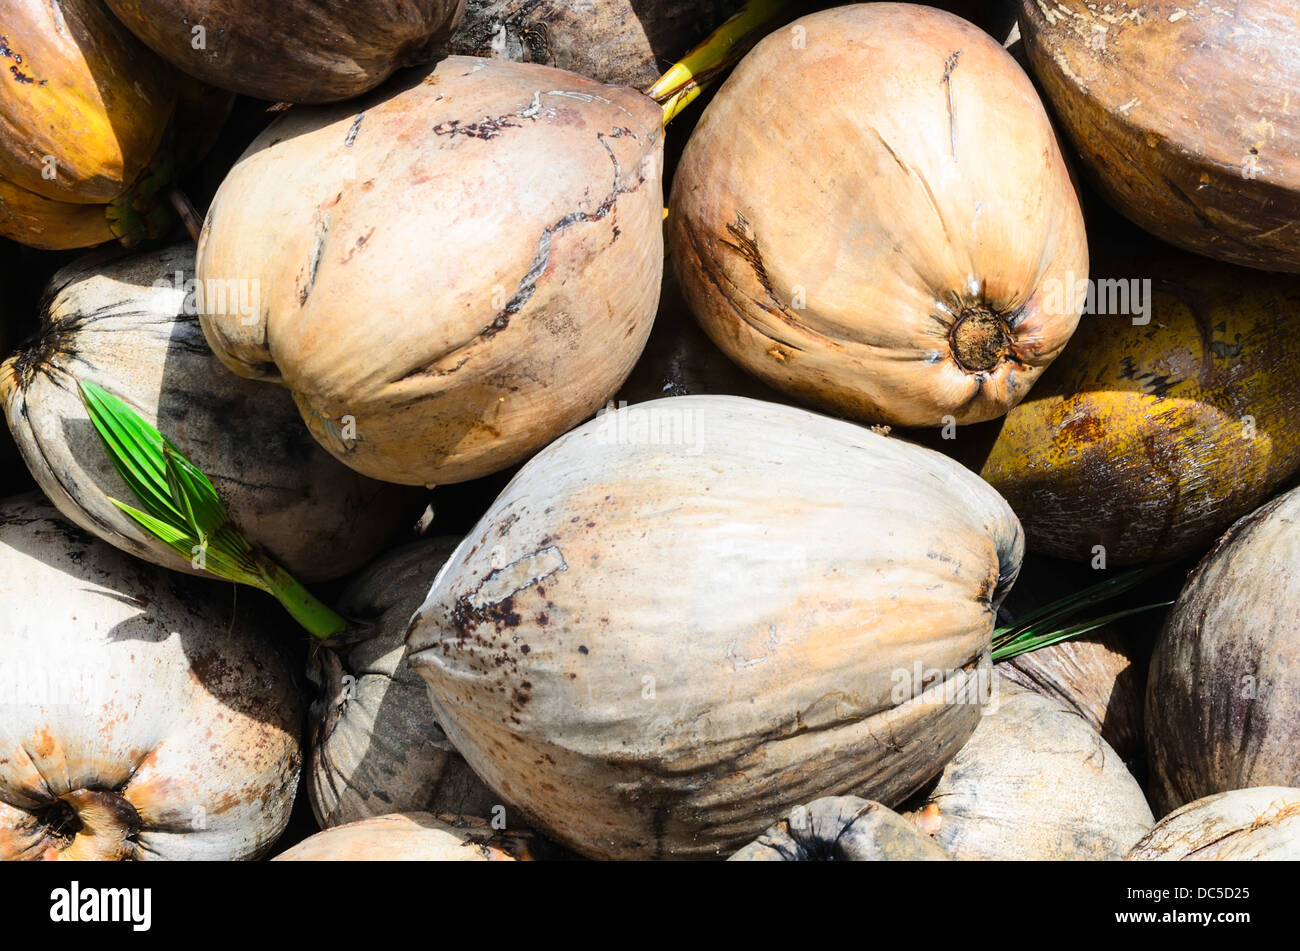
(320, 620)
(686, 79)
(189, 215)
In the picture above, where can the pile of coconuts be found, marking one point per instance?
(888, 459)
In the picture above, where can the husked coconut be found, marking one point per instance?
(130, 324)
(841, 829)
(874, 216)
(693, 614)
(375, 745)
(1255, 824)
(144, 717)
(454, 270)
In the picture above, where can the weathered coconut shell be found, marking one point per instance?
(841, 829)
(1150, 439)
(691, 615)
(622, 42)
(1036, 782)
(1100, 675)
(375, 746)
(129, 323)
(145, 722)
(1261, 823)
(1183, 114)
(1223, 696)
(83, 110)
(416, 837)
(290, 50)
(891, 261)
(464, 267)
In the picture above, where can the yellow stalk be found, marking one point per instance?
(686, 79)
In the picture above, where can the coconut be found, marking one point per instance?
(693, 614)
(1157, 429)
(841, 829)
(900, 259)
(83, 110)
(144, 719)
(1035, 782)
(290, 50)
(622, 42)
(1223, 696)
(130, 324)
(419, 365)
(375, 746)
(1261, 823)
(1183, 116)
(1099, 675)
(417, 837)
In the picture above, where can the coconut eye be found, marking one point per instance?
(980, 339)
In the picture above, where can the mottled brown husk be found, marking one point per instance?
(1184, 115)
(1150, 439)
(1223, 696)
(622, 42)
(290, 50)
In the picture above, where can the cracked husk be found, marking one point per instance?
(890, 255)
(454, 271)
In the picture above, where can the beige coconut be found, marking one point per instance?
(146, 719)
(874, 216)
(1255, 824)
(453, 271)
(130, 324)
(375, 745)
(691, 615)
(414, 837)
(1035, 782)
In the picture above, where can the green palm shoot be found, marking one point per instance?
(179, 506)
(1058, 621)
(723, 48)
